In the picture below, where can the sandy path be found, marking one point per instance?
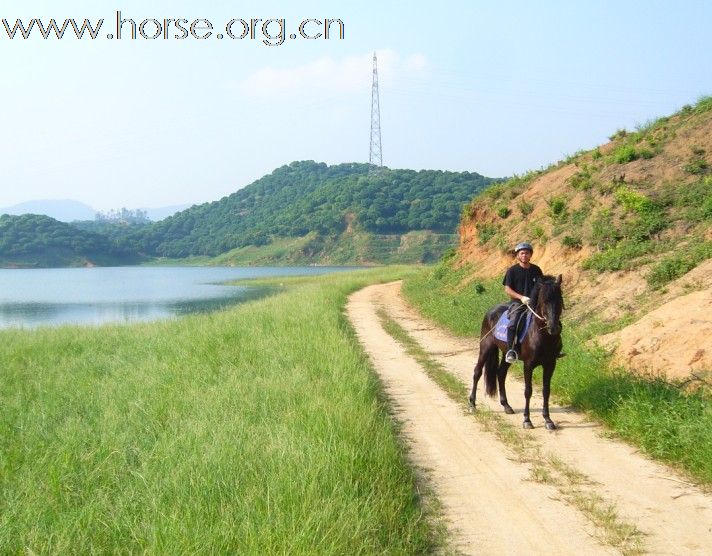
(488, 500)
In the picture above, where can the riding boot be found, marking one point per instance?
(511, 355)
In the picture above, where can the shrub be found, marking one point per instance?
(651, 218)
(538, 232)
(679, 264)
(486, 232)
(624, 154)
(525, 207)
(697, 151)
(603, 233)
(696, 198)
(579, 216)
(703, 105)
(573, 242)
(619, 257)
(581, 180)
(646, 225)
(597, 154)
(557, 207)
(696, 166)
(632, 200)
(503, 212)
(619, 134)
(647, 154)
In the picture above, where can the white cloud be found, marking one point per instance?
(328, 75)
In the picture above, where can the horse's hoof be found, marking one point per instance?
(472, 403)
(550, 426)
(508, 410)
(527, 425)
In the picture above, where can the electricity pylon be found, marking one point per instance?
(375, 156)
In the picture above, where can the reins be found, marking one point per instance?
(534, 313)
(488, 333)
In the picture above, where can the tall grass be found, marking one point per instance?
(256, 430)
(658, 416)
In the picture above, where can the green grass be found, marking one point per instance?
(256, 430)
(658, 416)
(357, 248)
(678, 264)
(625, 255)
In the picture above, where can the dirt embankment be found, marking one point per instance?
(670, 340)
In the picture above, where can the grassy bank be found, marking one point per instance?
(257, 430)
(349, 248)
(666, 422)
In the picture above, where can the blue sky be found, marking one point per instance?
(493, 87)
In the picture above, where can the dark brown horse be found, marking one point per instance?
(540, 346)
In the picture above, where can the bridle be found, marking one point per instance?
(539, 317)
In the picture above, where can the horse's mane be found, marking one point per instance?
(550, 293)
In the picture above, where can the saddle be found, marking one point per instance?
(500, 329)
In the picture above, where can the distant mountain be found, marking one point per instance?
(65, 210)
(160, 213)
(32, 240)
(305, 212)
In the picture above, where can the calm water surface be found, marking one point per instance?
(50, 297)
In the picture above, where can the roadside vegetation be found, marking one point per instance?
(256, 430)
(665, 420)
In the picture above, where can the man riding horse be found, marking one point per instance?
(519, 281)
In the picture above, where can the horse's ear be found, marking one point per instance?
(558, 280)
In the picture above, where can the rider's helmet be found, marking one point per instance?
(523, 245)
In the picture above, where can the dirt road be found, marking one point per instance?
(572, 492)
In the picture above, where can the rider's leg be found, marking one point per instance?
(514, 312)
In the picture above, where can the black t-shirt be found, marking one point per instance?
(522, 280)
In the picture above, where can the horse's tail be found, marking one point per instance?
(491, 366)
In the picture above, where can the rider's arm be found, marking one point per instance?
(511, 293)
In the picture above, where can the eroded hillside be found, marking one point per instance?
(629, 225)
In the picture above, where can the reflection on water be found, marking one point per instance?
(31, 315)
(41, 297)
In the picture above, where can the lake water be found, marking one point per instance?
(50, 297)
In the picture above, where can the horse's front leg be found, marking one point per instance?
(528, 371)
(477, 374)
(501, 378)
(546, 389)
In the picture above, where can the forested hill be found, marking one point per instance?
(313, 198)
(33, 240)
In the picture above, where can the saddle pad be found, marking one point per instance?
(500, 329)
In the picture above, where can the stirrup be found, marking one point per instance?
(511, 356)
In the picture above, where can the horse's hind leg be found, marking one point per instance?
(501, 378)
(546, 388)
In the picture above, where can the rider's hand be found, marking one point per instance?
(524, 299)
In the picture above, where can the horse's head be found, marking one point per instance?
(549, 302)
